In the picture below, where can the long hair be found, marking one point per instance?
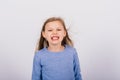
(43, 42)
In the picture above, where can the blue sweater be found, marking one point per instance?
(62, 65)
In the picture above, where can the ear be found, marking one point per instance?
(64, 33)
(43, 34)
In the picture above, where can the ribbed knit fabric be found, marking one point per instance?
(62, 65)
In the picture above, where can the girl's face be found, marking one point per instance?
(54, 33)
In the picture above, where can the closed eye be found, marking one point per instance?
(59, 29)
(49, 30)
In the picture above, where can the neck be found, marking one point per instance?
(55, 48)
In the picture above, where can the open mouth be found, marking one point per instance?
(55, 37)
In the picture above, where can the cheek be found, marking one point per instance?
(63, 34)
(48, 35)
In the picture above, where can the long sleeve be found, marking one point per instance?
(36, 72)
(77, 67)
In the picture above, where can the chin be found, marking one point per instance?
(55, 43)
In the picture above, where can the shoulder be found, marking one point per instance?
(70, 49)
(40, 53)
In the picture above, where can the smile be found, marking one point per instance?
(55, 37)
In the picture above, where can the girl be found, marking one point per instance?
(56, 59)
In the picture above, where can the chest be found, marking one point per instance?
(55, 62)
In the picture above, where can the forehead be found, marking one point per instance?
(54, 24)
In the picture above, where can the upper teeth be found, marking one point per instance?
(54, 37)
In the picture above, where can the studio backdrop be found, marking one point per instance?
(93, 25)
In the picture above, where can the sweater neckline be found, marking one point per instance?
(46, 49)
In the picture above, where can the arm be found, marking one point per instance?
(77, 67)
(36, 72)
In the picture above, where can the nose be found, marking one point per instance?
(54, 32)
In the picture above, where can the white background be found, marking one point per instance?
(94, 26)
